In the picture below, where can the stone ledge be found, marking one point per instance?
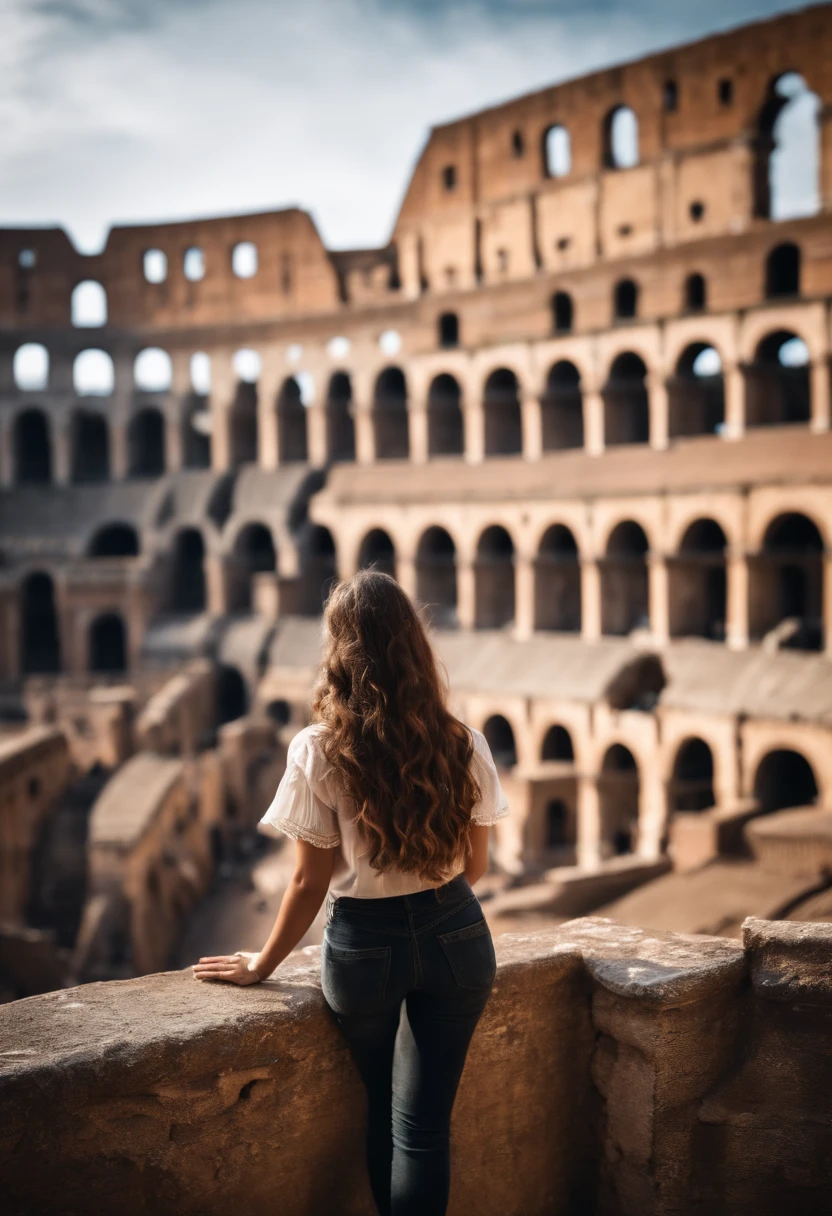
(790, 960)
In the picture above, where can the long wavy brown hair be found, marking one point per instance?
(403, 758)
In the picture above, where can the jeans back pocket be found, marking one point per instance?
(354, 981)
(470, 955)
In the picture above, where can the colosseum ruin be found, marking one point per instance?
(578, 405)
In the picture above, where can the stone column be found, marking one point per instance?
(588, 848)
(658, 597)
(659, 410)
(736, 612)
(119, 448)
(122, 400)
(651, 813)
(733, 376)
(223, 391)
(6, 448)
(316, 438)
(406, 573)
(417, 430)
(532, 425)
(60, 431)
(180, 390)
(268, 387)
(590, 599)
(474, 425)
(820, 420)
(524, 580)
(215, 583)
(466, 594)
(593, 407)
(365, 440)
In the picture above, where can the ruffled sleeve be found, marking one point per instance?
(493, 804)
(297, 808)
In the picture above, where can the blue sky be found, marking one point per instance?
(138, 110)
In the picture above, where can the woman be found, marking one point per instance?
(389, 798)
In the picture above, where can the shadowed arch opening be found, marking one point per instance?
(242, 424)
(340, 424)
(446, 435)
(378, 552)
(626, 405)
(115, 540)
(494, 579)
(40, 644)
(32, 448)
(785, 779)
(231, 694)
(558, 582)
(618, 796)
(563, 313)
(291, 423)
(436, 575)
(197, 425)
(557, 745)
(448, 330)
(697, 583)
(624, 588)
(500, 738)
(318, 569)
(561, 408)
(695, 297)
(146, 443)
(625, 300)
(188, 572)
(89, 441)
(696, 393)
(786, 585)
(107, 644)
(778, 386)
(692, 783)
(783, 271)
(254, 553)
(503, 422)
(390, 415)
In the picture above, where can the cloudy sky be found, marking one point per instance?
(135, 110)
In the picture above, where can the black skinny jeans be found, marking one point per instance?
(431, 952)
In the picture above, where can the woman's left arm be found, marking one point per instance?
(300, 904)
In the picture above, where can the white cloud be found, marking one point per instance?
(133, 110)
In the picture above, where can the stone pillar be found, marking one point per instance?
(365, 440)
(406, 573)
(736, 612)
(417, 430)
(827, 602)
(466, 594)
(532, 425)
(61, 449)
(733, 376)
(652, 811)
(215, 583)
(588, 848)
(658, 597)
(316, 443)
(524, 579)
(659, 409)
(474, 423)
(223, 391)
(268, 387)
(593, 406)
(590, 599)
(820, 420)
(6, 449)
(119, 453)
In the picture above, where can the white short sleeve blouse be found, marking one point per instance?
(310, 805)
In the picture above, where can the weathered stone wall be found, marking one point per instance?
(613, 1072)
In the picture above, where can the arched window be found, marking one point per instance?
(188, 573)
(787, 163)
(696, 293)
(561, 407)
(193, 264)
(436, 575)
(557, 745)
(40, 646)
(624, 597)
(783, 271)
(626, 405)
(783, 780)
(280, 712)
(562, 312)
(621, 139)
(340, 425)
(557, 151)
(625, 300)
(500, 738)
(31, 367)
(231, 694)
(503, 423)
(557, 820)
(696, 393)
(494, 579)
(93, 374)
(518, 145)
(146, 443)
(786, 584)
(107, 644)
(152, 370)
(448, 329)
(244, 259)
(692, 784)
(89, 304)
(778, 383)
(319, 572)
(115, 540)
(89, 447)
(377, 552)
(197, 425)
(254, 553)
(390, 415)
(557, 586)
(697, 583)
(155, 265)
(618, 795)
(32, 448)
(445, 423)
(291, 423)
